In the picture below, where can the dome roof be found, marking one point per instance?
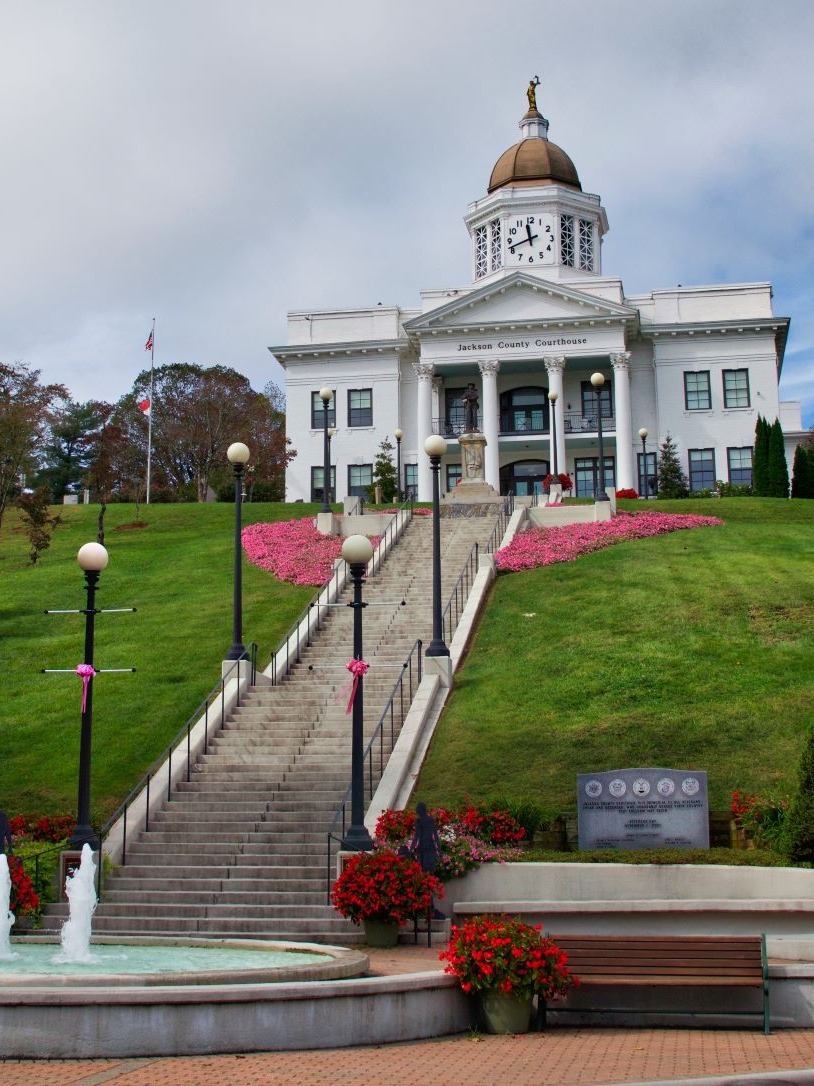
(534, 162)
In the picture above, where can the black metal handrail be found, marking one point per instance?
(389, 726)
(217, 693)
(575, 422)
(503, 518)
(459, 595)
(391, 533)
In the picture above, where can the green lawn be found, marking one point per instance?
(689, 650)
(694, 649)
(178, 572)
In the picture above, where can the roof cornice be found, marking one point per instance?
(348, 348)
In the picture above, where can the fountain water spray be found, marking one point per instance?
(80, 886)
(6, 916)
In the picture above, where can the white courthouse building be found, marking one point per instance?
(539, 316)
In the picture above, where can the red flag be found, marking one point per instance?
(145, 406)
(148, 346)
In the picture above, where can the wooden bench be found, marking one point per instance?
(675, 962)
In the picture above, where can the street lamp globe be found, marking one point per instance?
(643, 433)
(435, 445)
(552, 397)
(325, 394)
(398, 434)
(238, 453)
(597, 380)
(357, 550)
(92, 556)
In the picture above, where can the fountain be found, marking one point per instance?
(6, 915)
(87, 999)
(80, 886)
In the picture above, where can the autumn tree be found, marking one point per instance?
(27, 409)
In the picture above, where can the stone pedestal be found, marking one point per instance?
(473, 488)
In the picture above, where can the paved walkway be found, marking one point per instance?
(558, 1057)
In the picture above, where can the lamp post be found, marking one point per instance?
(357, 550)
(331, 436)
(398, 434)
(598, 380)
(435, 447)
(238, 456)
(643, 436)
(552, 399)
(326, 394)
(92, 558)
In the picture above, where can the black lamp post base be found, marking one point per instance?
(436, 648)
(357, 839)
(83, 835)
(236, 651)
(602, 497)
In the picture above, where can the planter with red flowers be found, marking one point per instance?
(506, 963)
(383, 890)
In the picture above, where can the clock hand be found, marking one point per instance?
(531, 237)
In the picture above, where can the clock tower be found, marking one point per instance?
(536, 218)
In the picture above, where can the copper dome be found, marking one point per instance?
(534, 162)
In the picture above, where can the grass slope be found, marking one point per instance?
(178, 572)
(688, 650)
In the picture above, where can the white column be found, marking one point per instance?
(424, 372)
(555, 367)
(491, 428)
(624, 425)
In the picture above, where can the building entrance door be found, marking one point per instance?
(521, 477)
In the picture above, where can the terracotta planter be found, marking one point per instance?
(504, 1013)
(381, 933)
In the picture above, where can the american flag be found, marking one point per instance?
(148, 346)
(145, 405)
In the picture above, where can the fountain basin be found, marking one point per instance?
(168, 961)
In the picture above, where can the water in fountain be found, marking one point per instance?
(80, 886)
(6, 916)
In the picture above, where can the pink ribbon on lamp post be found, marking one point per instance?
(86, 673)
(357, 668)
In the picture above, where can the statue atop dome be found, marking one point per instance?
(531, 93)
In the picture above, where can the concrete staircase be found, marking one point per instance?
(241, 849)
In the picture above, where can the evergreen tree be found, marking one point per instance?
(802, 479)
(384, 473)
(760, 467)
(801, 812)
(778, 476)
(672, 480)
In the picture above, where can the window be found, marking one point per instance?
(697, 395)
(360, 407)
(586, 245)
(648, 476)
(586, 475)
(488, 248)
(411, 481)
(589, 395)
(739, 462)
(360, 477)
(453, 475)
(454, 412)
(317, 412)
(702, 469)
(317, 475)
(524, 410)
(568, 251)
(736, 388)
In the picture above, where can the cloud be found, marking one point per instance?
(215, 165)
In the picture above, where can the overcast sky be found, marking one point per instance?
(214, 164)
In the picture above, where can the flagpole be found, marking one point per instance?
(150, 413)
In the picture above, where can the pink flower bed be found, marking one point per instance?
(545, 546)
(292, 550)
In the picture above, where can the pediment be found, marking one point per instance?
(519, 299)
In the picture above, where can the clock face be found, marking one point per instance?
(530, 240)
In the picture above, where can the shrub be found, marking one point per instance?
(627, 492)
(801, 813)
(382, 885)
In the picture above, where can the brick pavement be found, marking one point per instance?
(558, 1057)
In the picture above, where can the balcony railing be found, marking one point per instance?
(577, 423)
